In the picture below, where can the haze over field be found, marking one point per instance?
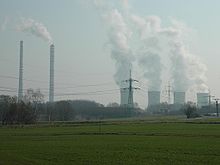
(97, 42)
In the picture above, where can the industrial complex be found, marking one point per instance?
(126, 90)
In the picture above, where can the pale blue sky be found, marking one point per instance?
(80, 36)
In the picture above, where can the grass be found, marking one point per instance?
(147, 141)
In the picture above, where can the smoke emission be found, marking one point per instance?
(119, 35)
(4, 24)
(153, 41)
(35, 28)
(150, 63)
(149, 50)
(186, 69)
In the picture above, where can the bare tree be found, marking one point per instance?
(190, 111)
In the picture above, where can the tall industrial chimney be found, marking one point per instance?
(51, 83)
(20, 87)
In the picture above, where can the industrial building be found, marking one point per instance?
(126, 91)
(179, 98)
(153, 98)
(124, 96)
(202, 99)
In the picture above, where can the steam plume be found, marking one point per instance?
(187, 69)
(153, 42)
(35, 28)
(4, 24)
(149, 51)
(119, 35)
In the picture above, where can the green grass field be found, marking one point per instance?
(160, 140)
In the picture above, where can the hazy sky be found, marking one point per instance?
(83, 61)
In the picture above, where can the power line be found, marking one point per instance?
(35, 67)
(130, 88)
(88, 85)
(13, 77)
(92, 93)
(5, 90)
(64, 87)
(38, 81)
(86, 93)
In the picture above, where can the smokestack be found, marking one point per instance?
(179, 97)
(153, 98)
(51, 84)
(20, 88)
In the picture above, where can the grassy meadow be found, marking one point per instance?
(152, 140)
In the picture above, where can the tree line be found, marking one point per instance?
(31, 111)
(13, 112)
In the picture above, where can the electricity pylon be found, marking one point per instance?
(130, 89)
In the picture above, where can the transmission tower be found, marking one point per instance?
(216, 104)
(210, 100)
(130, 89)
(169, 91)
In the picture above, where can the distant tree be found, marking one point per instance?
(13, 112)
(25, 114)
(64, 110)
(114, 104)
(6, 106)
(190, 111)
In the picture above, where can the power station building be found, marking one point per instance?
(179, 98)
(202, 99)
(124, 96)
(153, 98)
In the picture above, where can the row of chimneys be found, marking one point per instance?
(21, 69)
(179, 98)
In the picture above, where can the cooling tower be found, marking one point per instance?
(20, 86)
(51, 83)
(124, 96)
(153, 97)
(179, 97)
(202, 99)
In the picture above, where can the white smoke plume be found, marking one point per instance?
(148, 53)
(4, 24)
(154, 41)
(179, 66)
(152, 67)
(35, 28)
(187, 69)
(119, 35)
(197, 73)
